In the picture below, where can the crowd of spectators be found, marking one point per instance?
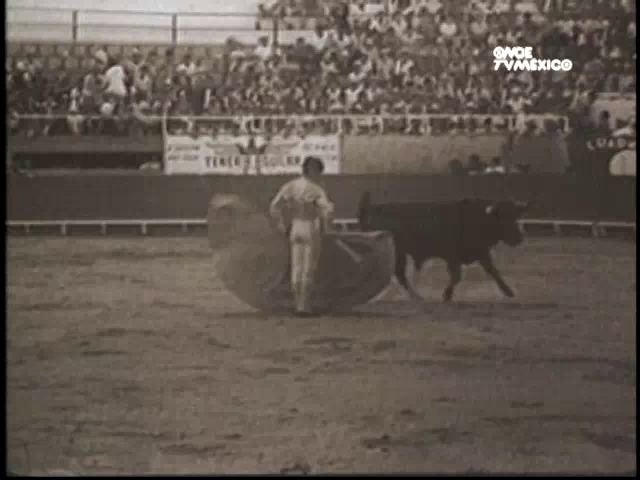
(475, 166)
(421, 57)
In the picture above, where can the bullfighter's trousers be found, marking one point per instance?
(306, 241)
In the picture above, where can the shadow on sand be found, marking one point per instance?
(289, 314)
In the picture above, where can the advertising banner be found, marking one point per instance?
(249, 154)
(613, 155)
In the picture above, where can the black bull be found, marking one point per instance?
(460, 233)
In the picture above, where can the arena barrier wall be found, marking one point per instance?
(362, 154)
(142, 196)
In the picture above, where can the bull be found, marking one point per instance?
(460, 233)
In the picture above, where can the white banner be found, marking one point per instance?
(249, 154)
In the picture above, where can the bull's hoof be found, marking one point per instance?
(447, 296)
(509, 293)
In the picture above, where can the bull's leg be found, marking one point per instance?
(490, 268)
(416, 272)
(417, 267)
(401, 276)
(455, 275)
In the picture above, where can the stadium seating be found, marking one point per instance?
(437, 63)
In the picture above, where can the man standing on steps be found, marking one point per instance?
(303, 211)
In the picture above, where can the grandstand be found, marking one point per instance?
(316, 57)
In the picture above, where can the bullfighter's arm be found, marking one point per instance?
(276, 209)
(326, 210)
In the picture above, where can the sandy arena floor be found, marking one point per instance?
(127, 356)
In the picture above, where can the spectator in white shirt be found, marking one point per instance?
(102, 57)
(143, 82)
(351, 96)
(411, 37)
(74, 118)
(378, 23)
(478, 27)
(107, 110)
(398, 24)
(263, 50)
(357, 13)
(518, 102)
(448, 28)
(187, 65)
(319, 40)
(137, 58)
(358, 74)
(500, 6)
(402, 67)
(336, 106)
(343, 40)
(328, 65)
(384, 65)
(114, 82)
(333, 92)
(432, 6)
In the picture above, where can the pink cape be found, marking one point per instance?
(252, 260)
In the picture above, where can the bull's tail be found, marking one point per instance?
(363, 211)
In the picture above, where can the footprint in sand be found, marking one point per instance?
(407, 412)
(328, 341)
(614, 442)
(213, 342)
(275, 371)
(527, 405)
(335, 343)
(265, 372)
(382, 442)
(383, 346)
(298, 468)
(190, 449)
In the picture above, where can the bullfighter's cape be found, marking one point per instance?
(253, 261)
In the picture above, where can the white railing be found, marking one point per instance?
(245, 21)
(32, 24)
(338, 122)
(596, 229)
